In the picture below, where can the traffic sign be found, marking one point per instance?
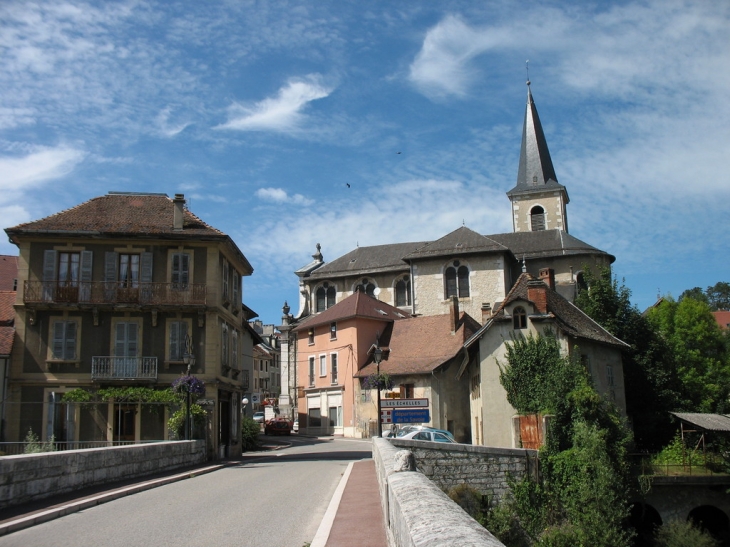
(385, 417)
(404, 403)
(410, 416)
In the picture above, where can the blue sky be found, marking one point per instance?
(262, 112)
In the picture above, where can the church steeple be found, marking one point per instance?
(538, 199)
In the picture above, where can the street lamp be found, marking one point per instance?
(189, 360)
(378, 356)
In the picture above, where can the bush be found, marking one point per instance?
(176, 423)
(34, 446)
(679, 533)
(250, 430)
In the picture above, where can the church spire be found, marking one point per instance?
(536, 178)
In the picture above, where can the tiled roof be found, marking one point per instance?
(420, 345)
(364, 260)
(567, 316)
(722, 318)
(545, 243)
(459, 242)
(7, 311)
(7, 335)
(8, 272)
(357, 304)
(120, 214)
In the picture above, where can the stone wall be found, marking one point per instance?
(30, 477)
(417, 513)
(482, 467)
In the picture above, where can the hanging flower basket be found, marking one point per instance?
(378, 381)
(189, 384)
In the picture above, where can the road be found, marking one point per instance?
(275, 499)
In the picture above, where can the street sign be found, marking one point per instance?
(385, 417)
(255, 398)
(410, 416)
(404, 403)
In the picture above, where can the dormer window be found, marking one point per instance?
(519, 318)
(537, 218)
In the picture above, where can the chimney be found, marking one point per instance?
(486, 312)
(548, 276)
(177, 217)
(537, 294)
(454, 313)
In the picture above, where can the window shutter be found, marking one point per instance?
(70, 341)
(132, 339)
(58, 337)
(175, 273)
(175, 341)
(146, 267)
(86, 265)
(120, 342)
(184, 268)
(49, 265)
(110, 266)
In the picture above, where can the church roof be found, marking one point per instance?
(358, 304)
(419, 345)
(459, 242)
(545, 243)
(535, 172)
(368, 260)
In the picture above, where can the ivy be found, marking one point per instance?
(128, 394)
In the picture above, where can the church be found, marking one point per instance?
(420, 277)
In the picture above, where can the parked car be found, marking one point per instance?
(405, 430)
(429, 435)
(258, 417)
(278, 426)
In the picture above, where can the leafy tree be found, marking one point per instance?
(678, 533)
(718, 296)
(695, 293)
(650, 379)
(700, 350)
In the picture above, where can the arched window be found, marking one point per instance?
(519, 318)
(403, 292)
(367, 287)
(537, 218)
(456, 281)
(325, 297)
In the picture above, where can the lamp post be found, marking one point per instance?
(377, 356)
(189, 360)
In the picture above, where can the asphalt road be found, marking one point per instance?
(275, 499)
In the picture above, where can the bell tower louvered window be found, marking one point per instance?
(537, 218)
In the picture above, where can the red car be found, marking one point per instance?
(278, 426)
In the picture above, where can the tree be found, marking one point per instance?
(696, 293)
(700, 350)
(650, 377)
(718, 296)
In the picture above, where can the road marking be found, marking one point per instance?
(323, 532)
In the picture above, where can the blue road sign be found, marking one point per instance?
(410, 415)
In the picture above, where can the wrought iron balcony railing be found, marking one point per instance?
(123, 368)
(102, 292)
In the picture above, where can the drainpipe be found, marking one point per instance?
(413, 292)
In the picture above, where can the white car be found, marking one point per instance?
(427, 435)
(258, 417)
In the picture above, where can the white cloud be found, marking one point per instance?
(281, 113)
(279, 195)
(165, 127)
(38, 167)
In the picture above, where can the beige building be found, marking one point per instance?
(122, 290)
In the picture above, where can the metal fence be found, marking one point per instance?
(711, 465)
(13, 449)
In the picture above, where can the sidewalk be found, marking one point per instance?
(354, 517)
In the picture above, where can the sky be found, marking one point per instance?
(350, 123)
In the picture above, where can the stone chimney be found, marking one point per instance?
(537, 294)
(177, 217)
(548, 276)
(454, 313)
(486, 312)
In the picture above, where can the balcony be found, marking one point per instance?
(123, 368)
(102, 292)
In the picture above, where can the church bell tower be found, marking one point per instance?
(538, 200)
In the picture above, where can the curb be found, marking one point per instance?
(74, 506)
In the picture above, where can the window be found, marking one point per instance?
(224, 280)
(311, 371)
(366, 287)
(476, 386)
(456, 279)
(224, 344)
(236, 287)
(234, 349)
(129, 271)
(421, 436)
(333, 367)
(403, 292)
(126, 340)
(333, 331)
(537, 218)
(68, 269)
(326, 295)
(180, 270)
(178, 336)
(315, 418)
(311, 337)
(519, 318)
(323, 365)
(406, 391)
(64, 340)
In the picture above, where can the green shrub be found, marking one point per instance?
(675, 453)
(677, 533)
(34, 445)
(176, 423)
(250, 430)
(470, 500)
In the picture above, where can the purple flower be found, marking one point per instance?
(378, 381)
(190, 384)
